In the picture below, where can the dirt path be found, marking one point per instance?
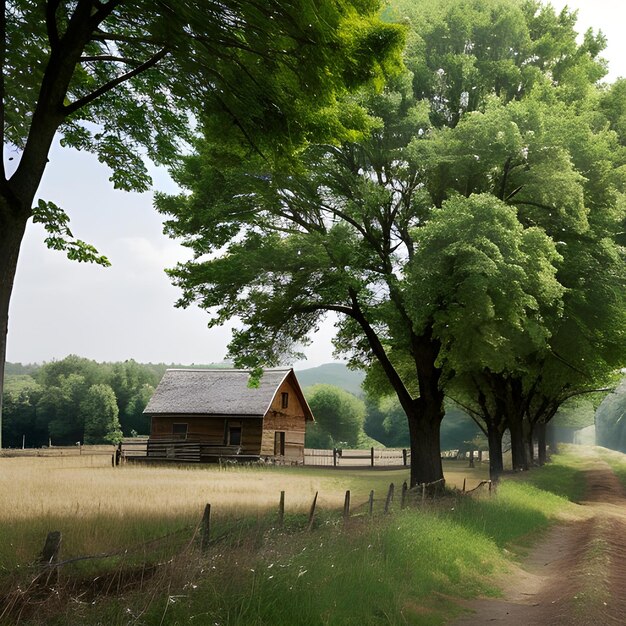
(576, 574)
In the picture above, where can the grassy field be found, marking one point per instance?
(401, 568)
(99, 508)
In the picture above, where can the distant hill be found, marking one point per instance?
(332, 374)
(329, 373)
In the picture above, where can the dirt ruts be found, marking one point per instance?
(576, 574)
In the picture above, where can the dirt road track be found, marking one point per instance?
(576, 574)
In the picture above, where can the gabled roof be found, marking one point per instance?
(219, 392)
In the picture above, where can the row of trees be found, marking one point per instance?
(468, 240)
(343, 420)
(78, 400)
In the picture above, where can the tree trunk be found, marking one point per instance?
(540, 429)
(529, 434)
(551, 437)
(426, 464)
(518, 444)
(11, 234)
(496, 462)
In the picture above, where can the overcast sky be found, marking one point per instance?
(127, 311)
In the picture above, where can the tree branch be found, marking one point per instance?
(3, 44)
(51, 23)
(531, 203)
(110, 57)
(104, 10)
(380, 353)
(81, 102)
(505, 174)
(102, 35)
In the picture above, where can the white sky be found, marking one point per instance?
(127, 311)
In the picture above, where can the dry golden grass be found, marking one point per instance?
(100, 508)
(87, 485)
(84, 486)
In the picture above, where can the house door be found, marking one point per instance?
(279, 443)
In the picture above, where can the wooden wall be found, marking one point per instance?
(290, 420)
(210, 429)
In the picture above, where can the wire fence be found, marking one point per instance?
(139, 563)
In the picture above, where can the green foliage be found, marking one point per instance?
(386, 422)
(100, 415)
(56, 223)
(59, 407)
(20, 399)
(460, 238)
(611, 420)
(393, 570)
(57, 401)
(337, 413)
(266, 74)
(317, 437)
(578, 412)
(485, 284)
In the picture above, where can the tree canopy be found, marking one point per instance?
(72, 400)
(339, 417)
(450, 239)
(130, 80)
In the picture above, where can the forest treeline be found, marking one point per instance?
(77, 399)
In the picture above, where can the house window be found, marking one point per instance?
(284, 399)
(179, 431)
(233, 434)
(279, 443)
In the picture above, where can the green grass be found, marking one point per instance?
(393, 571)
(563, 477)
(617, 462)
(403, 568)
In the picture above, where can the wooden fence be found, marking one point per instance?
(389, 502)
(372, 457)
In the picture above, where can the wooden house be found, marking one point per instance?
(207, 414)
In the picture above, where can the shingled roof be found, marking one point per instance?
(216, 392)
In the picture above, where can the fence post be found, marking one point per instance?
(403, 497)
(281, 509)
(51, 548)
(206, 529)
(50, 554)
(389, 499)
(346, 506)
(372, 455)
(334, 457)
(423, 492)
(371, 503)
(464, 484)
(404, 456)
(113, 460)
(312, 512)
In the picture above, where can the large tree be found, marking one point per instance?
(337, 231)
(126, 79)
(337, 412)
